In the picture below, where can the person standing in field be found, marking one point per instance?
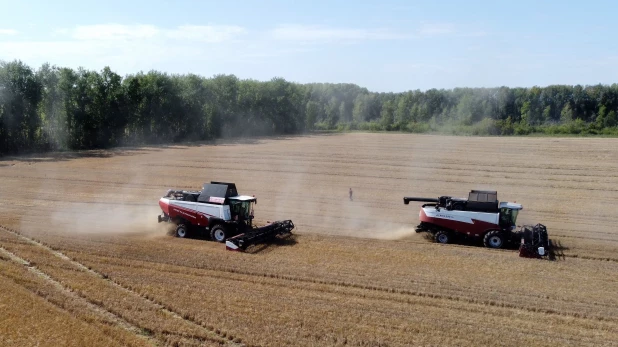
(351, 199)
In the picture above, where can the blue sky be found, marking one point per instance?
(382, 45)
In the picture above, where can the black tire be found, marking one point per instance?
(218, 233)
(494, 239)
(182, 230)
(442, 237)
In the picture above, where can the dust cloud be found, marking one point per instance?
(315, 194)
(95, 210)
(104, 219)
(321, 204)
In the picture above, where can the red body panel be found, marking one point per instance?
(192, 216)
(477, 228)
(164, 207)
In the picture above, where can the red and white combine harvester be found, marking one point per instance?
(218, 211)
(481, 216)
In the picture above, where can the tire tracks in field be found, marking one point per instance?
(218, 335)
(407, 179)
(392, 162)
(377, 289)
(119, 321)
(352, 290)
(388, 290)
(420, 294)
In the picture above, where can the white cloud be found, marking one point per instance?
(206, 33)
(122, 32)
(127, 48)
(8, 32)
(113, 32)
(428, 29)
(325, 34)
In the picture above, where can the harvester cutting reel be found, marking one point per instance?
(257, 235)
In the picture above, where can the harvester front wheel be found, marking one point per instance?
(218, 233)
(494, 239)
(442, 237)
(181, 230)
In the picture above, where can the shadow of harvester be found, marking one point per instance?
(555, 251)
(277, 241)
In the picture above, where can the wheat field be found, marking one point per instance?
(83, 260)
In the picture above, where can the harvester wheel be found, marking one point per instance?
(218, 233)
(494, 239)
(181, 230)
(442, 237)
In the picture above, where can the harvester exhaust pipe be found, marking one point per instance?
(407, 199)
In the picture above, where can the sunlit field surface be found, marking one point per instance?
(83, 260)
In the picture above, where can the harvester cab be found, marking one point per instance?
(508, 215)
(241, 209)
(480, 216)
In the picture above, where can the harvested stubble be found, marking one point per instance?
(384, 287)
(38, 311)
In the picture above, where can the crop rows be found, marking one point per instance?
(148, 316)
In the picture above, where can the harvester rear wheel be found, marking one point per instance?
(218, 233)
(181, 230)
(494, 239)
(442, 237)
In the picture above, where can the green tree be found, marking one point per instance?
(20, 94)
(312, 114)
(403, 111)
(566, 115)
(611, 120)
(526, 113)
(547, 111)
(51, 108)
(332, 112)
(387, 116)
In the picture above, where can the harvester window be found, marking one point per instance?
(508, 217)
(241, 209)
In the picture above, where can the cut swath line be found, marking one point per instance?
(368, 293)
(381, 289)
(67, 291)
(218, 335)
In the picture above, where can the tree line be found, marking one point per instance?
(62, 108)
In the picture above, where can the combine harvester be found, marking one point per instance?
(219, 212)
(480, 217)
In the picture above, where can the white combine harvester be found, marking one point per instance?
(219, 212)
(480, 216)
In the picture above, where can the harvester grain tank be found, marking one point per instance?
(219, 212)
(480, 216)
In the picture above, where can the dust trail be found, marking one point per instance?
(104, 211)
(84, 218)
(356, 224)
